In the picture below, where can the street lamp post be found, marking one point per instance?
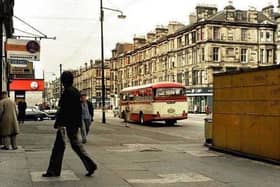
(60, 85)
(103, 90)
(102, 62)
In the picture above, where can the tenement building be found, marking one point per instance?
(88, 79)
(52, 92)
(214, 41)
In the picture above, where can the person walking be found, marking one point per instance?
(21, 111)
(68, 121)
(87, 116)
(126, 116)
(9, 127)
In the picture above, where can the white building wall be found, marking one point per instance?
(32, 98)
(12, 95)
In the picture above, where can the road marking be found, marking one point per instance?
(203, 153)
(66, 175)
(135, 148)
(172, 178)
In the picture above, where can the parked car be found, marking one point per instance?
(34, 114)
(51, 113)
(116, 111)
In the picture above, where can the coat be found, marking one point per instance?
(90, 109)
(8, 118)
(70, 111)
(21, 110)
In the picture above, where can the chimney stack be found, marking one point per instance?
(173, 26)
(268, 11)
(151, 36)
(205, 11)
(91, 63)
(192, 18)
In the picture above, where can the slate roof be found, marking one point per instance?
(242, 17)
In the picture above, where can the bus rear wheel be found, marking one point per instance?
(141, 118)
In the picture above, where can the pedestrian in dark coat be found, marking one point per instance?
(8, 122)
(69, 119)
(21, 111)
(87, 116)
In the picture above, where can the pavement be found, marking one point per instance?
(140, 156)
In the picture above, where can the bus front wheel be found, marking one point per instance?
(141, 118)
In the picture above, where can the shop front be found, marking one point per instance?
(29, 90)
(200, 100)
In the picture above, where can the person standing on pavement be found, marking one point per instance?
(9, 127)
(68, 119)
(87, 116)
(126, 116)
(21, 111)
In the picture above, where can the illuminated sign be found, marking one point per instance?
(23, 49)
(27, 85)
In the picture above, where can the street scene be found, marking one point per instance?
(139, 93)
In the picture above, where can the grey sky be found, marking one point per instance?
(75, 23)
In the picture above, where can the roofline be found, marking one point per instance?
(201, 23)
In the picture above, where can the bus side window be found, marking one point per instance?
(182, 92)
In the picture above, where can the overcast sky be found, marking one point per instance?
(76, 25)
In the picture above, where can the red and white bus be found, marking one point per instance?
(164, 101)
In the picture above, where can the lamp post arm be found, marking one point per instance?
(114, 10)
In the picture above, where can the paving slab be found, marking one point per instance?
(66, 175)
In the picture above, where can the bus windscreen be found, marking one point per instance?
(163, 92)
